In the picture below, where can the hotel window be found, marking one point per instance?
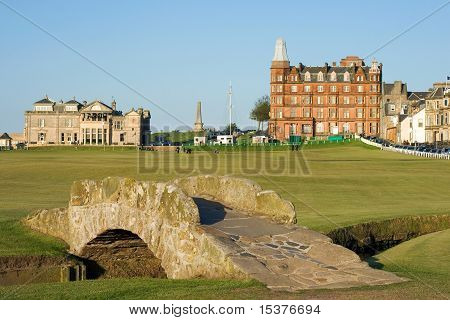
(346, 100)
(332, 113)
(41, 123)
(373, 112)
(69, 123)
(306, 112)
(359, 99)
(306, 100)
(359, 78)
(292, 129)
(293, 113)
(293, 100)
(332, 99)
(333, 128)
(320, 113)
(280, 113)
(374, 88)
(280, 88)
(294, 89)
(306, 128)
(320, 76)
(319, 127)
(359, 128)
(280, 78)
(346, 76)
(346, 128)
(122, 137)
(333, 76)
(279, 100)
(346, 114)
(62, 137)
(41, 136)
(333, 88)
(319, 88)
(319, 100)
(373, 128)
(346, 88)
(373, 99)
(69, 137)
(360, 89)
(420, 123)
(307, 76)
(307, 89)
(359, 113)
(273, 88)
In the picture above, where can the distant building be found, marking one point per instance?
(400, 109)
(323, 100)
(225, 139)
(5, 142)
(418, 125)
(394, 103)
(437, 113)
(259, 139)
(95, 123)
(200, 141)
(18, 140)
(198, 125)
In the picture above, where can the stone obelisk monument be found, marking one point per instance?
(198, 125)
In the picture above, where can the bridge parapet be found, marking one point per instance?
(241, 194)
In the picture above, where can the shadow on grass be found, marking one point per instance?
(374, 263)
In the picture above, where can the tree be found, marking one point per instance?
(234, 128)
(260, 111)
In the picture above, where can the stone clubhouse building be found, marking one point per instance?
(320, 101)
(75, 123)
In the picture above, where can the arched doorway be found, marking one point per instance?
(120, 253)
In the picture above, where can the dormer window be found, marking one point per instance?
(346, 76)
(307, 76)
(359, 78)
(320, 76)
(333, 76)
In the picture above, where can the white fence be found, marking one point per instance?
(406, 151)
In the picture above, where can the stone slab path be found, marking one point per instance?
(286, 257)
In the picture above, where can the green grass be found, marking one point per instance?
(17, 239)
(425, 260)
(349, 183)
(420, 257)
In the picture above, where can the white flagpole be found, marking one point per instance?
(230, 104)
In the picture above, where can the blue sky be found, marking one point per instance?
(178, 52)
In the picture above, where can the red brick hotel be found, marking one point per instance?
(323, 101)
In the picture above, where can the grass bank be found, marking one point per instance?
(425, 260)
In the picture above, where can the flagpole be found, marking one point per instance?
(230, 93)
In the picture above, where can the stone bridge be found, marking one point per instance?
(202, 226)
